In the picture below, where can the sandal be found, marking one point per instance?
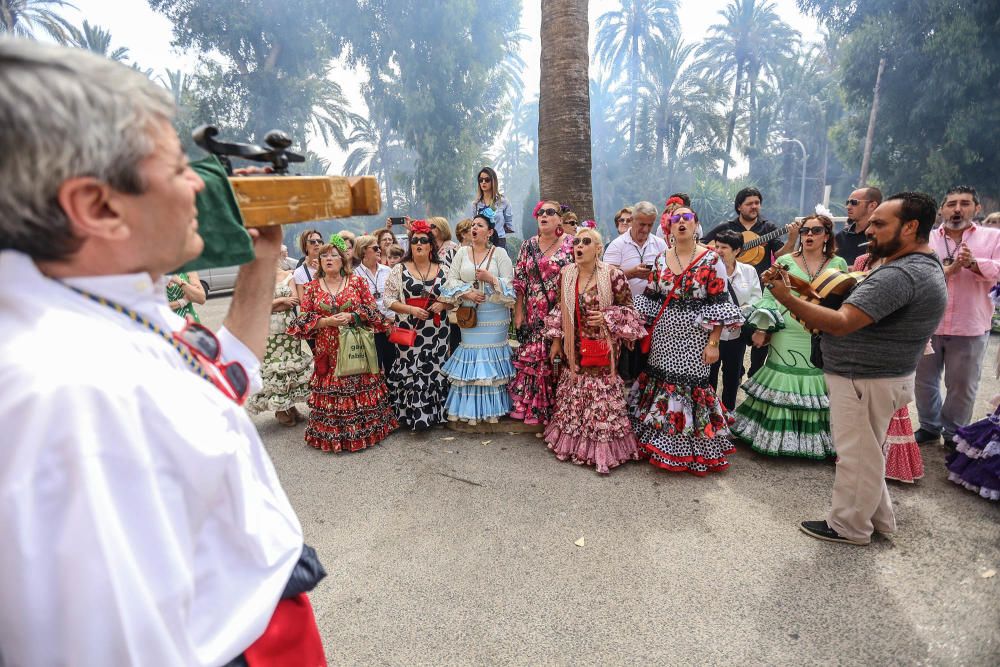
(284, 418)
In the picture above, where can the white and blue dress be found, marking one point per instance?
(482, 366)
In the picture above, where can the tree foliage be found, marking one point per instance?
(939, 98)
(22, 18)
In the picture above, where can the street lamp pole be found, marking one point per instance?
(805, 156)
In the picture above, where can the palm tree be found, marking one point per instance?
(750, 41)
(630, 36)
(22, 17)
(564, 106)
(377, 149)
(97, 40)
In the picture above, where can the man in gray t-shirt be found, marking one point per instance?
(871, 346)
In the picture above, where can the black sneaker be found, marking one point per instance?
(821, 531)
(923, 436)
(949, 443)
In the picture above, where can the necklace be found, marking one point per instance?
(805, 265)
(545, 253)
(372, 279)
(950, 259)
(332, 293)
(678, 258)
(590, 279)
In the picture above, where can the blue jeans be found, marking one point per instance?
(961, 360)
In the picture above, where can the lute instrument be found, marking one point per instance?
(754, 245)
(829, 288)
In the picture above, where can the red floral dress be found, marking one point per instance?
(536, 278)
(347, 413)
(675, 414)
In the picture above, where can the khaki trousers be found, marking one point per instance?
(860, 410)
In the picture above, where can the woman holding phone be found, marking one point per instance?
(488, 195)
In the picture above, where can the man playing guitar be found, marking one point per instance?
(747, 205)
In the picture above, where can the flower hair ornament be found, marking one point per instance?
(420, 227)
(674, 201)
(337, 242)
(588, 224)
(538, 207)
(565, 208)
(490, 215)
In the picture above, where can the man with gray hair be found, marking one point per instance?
(144, 519)
(635, 252)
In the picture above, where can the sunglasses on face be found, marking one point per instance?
(686, 217)
(485, 179)
(626, 221)
(420, 240)
(586, 240)
(547, 211)
(229, 378)
(812, 231)
(854, 202)
(375, 248)
(315, 241)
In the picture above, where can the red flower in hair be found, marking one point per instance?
(538, 206)
(420, 227)
(675, 200)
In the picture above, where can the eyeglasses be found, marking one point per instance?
(687, 217)
(586, 240)
(627, 221)
(547, 211)
(315, 241)
(812, 231)
(229, 378)
(485, 179)
(420, 240)
(855, 202)
(375, 248)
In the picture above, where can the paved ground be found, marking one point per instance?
(445, 548)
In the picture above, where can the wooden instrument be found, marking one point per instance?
(754, 250)
(829, 288)
(277, 198)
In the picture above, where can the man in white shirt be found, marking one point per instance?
(634, 252)
(144, 521)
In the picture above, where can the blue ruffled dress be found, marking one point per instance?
(482, 366)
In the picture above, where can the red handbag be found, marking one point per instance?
(594, 352)
(403, 337)
(424, 303)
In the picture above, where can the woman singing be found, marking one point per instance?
(536, 281)
(352, 412)
(787, 411)
(588, 324)
(417, 385)
(480, 277)
(675, 414)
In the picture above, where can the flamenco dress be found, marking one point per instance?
(590, 424)
(536, 280)
(288, 363)
(903, 461)
(675, 413)
(975, 463)
(417, 384)
(786, 411)
(352, 412)
(481, 367)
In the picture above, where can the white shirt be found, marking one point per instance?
(144, 522)
(746, 284)
(300, 277)
(626, 254)
(376, 284)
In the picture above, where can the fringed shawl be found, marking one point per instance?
(602, 276)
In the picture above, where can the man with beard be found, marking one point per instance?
(970, 255)
(860, 205)
(871, 346)
(747, 204)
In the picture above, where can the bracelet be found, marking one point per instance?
(713, 343)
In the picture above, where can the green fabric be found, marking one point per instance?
(220, 224)
(357, 352)
(175, 293)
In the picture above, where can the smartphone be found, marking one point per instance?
(397, 221)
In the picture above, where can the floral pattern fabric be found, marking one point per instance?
(536, 280)
(287, 365)
(347, 413)
(675, 413)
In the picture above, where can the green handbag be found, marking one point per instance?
(357, 352)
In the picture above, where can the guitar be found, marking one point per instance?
(829, 288)
(754, 252)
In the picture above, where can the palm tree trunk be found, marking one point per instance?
(564, 166)
(731, 125)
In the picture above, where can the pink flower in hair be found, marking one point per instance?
(538, 207)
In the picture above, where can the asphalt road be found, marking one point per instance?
(445, 548)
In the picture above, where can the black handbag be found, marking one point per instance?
(816, 351)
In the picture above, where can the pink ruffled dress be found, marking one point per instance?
(590, 423)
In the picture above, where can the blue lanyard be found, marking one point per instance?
(185, 353)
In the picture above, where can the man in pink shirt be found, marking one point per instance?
(971, 258)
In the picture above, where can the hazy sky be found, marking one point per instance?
(147, 35)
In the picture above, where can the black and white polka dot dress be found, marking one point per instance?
(674, 411)
(417, 386)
